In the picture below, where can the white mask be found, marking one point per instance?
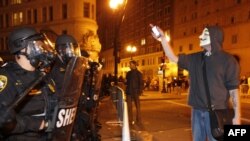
(205, 38)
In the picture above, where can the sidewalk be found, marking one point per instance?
(112, 130)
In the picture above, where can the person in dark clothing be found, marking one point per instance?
(222, 74)
(27, 119)
(67, 47)
(105, 86)
(134, 88)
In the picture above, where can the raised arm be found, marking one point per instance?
(166, 47)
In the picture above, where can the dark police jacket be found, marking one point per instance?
(31, 111)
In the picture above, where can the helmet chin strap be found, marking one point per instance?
(25, 54)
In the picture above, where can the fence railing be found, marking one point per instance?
(119, 99)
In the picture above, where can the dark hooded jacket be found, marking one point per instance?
(222, 73)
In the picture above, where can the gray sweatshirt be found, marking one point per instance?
(222, 73)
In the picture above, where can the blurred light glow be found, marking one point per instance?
(167, 35)
(131, 48)
(168, 38)
(114, 4)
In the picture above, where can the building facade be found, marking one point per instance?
(55, 17)
(183, 21)
(191, 16)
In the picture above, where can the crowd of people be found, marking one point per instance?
(171, 84)
(245, 84)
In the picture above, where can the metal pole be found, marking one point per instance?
(163, 75)
(163, 82)
(116, 38)
(119, 17)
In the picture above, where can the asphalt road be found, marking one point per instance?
(164, 116)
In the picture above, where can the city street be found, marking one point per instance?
(165, 117)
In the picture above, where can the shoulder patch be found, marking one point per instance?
(52, 88)
(3, 82)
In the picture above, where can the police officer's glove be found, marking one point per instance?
(7, 119)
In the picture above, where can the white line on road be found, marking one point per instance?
(185, 105)
(180, 104)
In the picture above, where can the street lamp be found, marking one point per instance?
(119, 8)
(164, 67)
(131, 49)
(115, 4)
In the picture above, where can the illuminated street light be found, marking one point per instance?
(119, 7)
(131, 49)
(114, 4)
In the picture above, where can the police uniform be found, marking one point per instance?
(31, 111)
(86, 126)
(57, 74)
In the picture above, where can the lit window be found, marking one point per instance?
(17, 18)
(143, 41)
(16, 1)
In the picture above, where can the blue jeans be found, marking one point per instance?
(201, 125)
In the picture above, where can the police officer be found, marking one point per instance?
(86, 125)
(32, 53)
(67, 48)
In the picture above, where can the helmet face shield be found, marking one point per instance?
(67, 51)
(40, 51)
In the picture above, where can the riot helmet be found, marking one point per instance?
(38, 48)
(66, 47)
